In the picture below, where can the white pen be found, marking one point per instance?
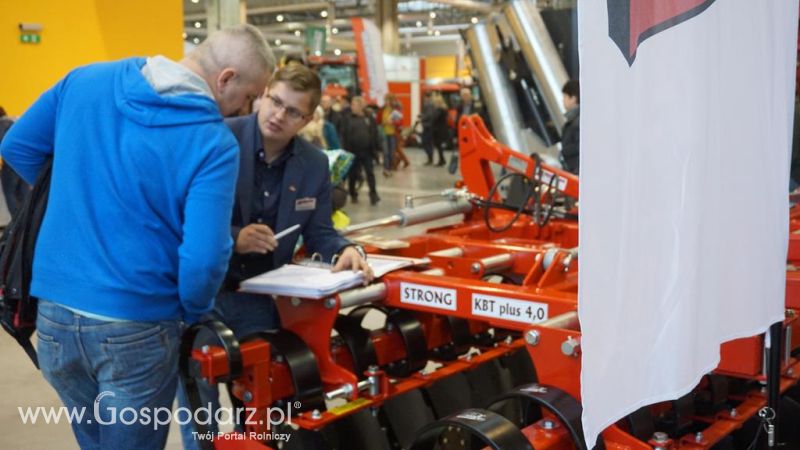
(287, 231)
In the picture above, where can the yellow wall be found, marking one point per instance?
(440, 67)
(78, 32)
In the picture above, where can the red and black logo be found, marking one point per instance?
(630, 22)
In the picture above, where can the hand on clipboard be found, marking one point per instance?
(353, 259)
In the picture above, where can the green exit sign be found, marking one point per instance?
(30, 38)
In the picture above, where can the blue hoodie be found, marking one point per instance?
(138, 221)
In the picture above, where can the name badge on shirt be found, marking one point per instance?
(305, 204)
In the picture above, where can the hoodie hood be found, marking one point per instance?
(136, 99)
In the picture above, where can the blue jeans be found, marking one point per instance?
(244, 314)
(388, 151)
(119, 365)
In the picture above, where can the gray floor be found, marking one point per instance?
(22, 386)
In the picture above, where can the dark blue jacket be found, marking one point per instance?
(306, 177)
(570, 141)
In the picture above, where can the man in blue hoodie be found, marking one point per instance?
(136, 239)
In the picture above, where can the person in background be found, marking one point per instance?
(570, 136)
(428, 120)
(387, 119)
(332, 116)
(440, 128)
(136, 238)
(330, 134)
(283, 181)
(342, 109)
(14, 187)
(467, 107)
(360, 137)
(399, 151)
(314, 132)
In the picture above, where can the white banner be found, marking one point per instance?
(371, 72)
(686, 125)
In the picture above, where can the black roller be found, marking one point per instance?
(641, 424)
(714, 398)
(223, 336)
(793, 392)
(410, 330)
(678, 421)
(405, 415)
(789, 419)
(459, 331)
(358, 342)
(488, 427)
(302, 439)
(302, 364)
(565, 407)
(449, 395)
(520, 366)
(461, 340)
(358, 431)
(487, 381)
(743, 437)
(189, 369)
(726, 443)
(361, 431)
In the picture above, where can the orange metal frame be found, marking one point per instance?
(479, 149)
(554, 286)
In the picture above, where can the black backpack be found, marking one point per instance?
(17, 307)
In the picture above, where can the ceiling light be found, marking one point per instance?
(198, 24)
(279, 17)
(419, 24)
(334, 30)
(337, 52)
(196, 40)
(297, 32)
(277, 42)
(433, 15)
(324, 13)
(184, 35)
(474, 20)
(436, 33)
(195, 1)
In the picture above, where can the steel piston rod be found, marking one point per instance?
(566, 321)
(501, 261)
(372, 293)
(419, 214)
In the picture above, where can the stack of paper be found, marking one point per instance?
(307, 281)
(383, 264)
(302, 281)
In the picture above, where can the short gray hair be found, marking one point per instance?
(241, 47)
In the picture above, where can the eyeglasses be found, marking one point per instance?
(290, 111)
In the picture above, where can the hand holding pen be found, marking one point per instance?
(259, 238)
